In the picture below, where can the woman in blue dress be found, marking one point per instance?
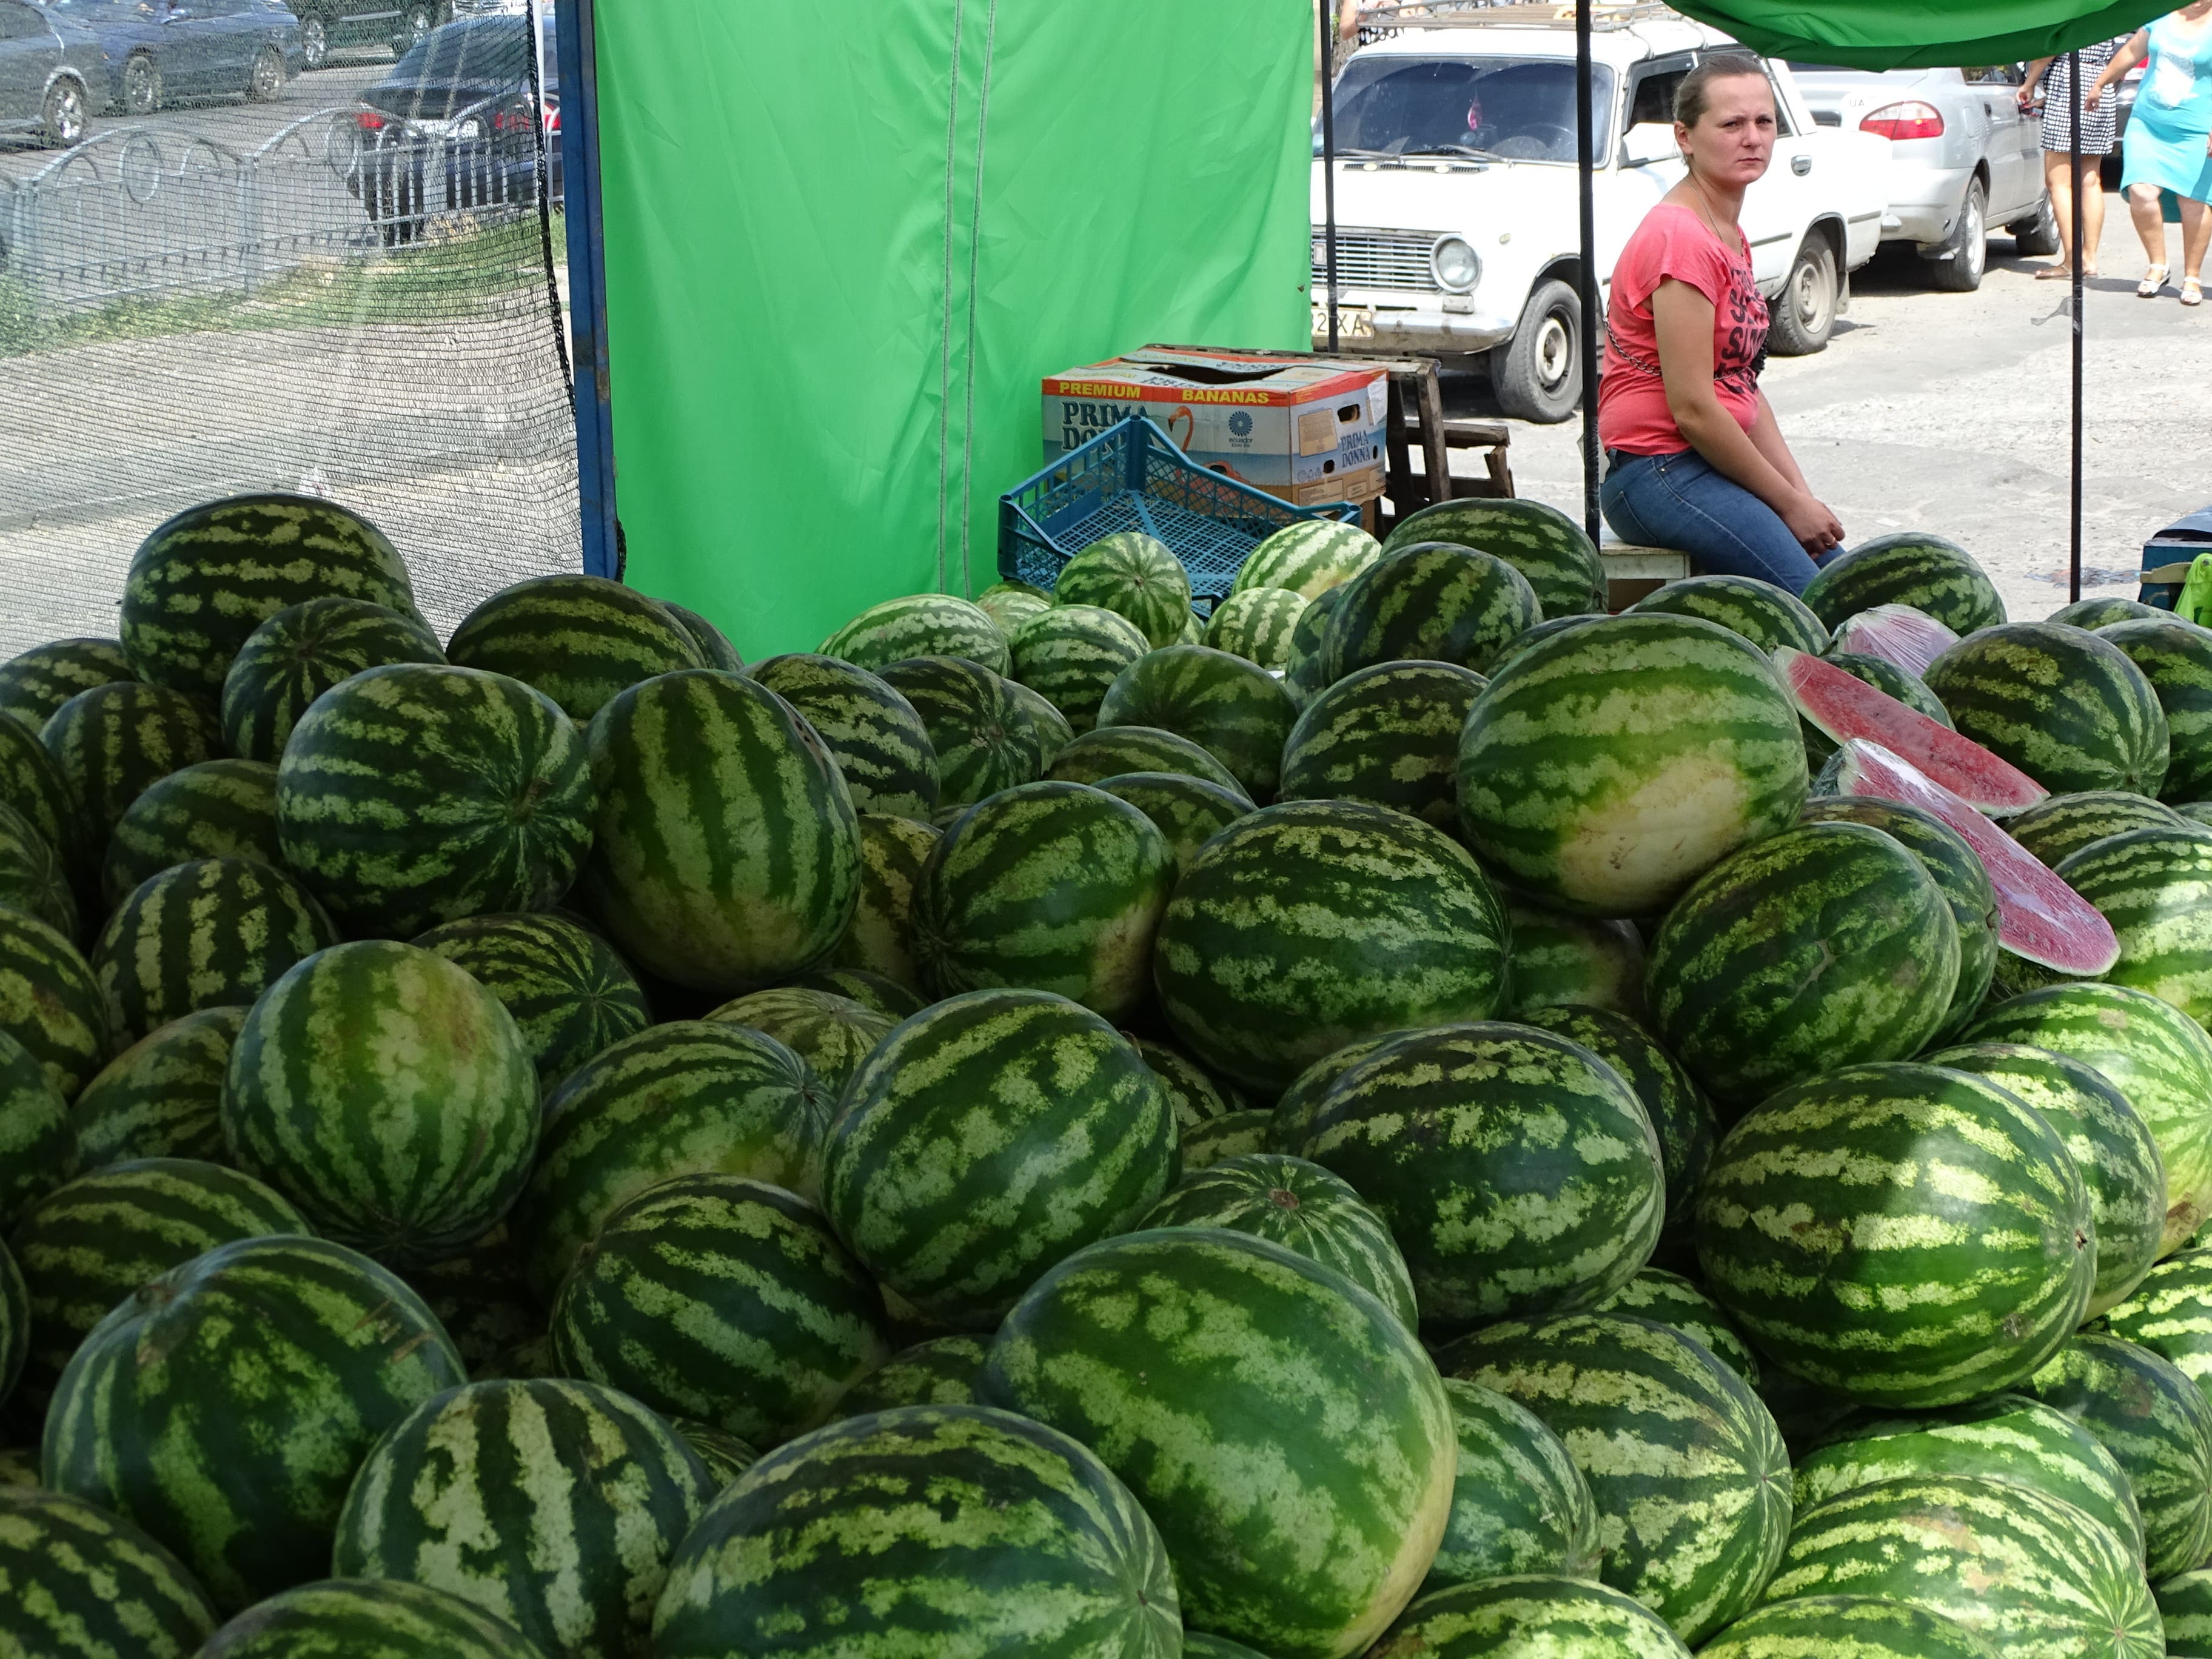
(2169, 140)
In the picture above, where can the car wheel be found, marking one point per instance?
(1537, 375)
(415, 27)
(266, 84)
(314, 42)
(141, 86)
(63, 117)
(1803, 314)
(1955, 265)
(2036, 235)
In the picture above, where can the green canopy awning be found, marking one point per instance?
(1921, 33)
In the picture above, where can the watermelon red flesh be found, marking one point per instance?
(2039, 916)
(1897, 634)
(1844, 706)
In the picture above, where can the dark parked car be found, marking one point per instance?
(454, 127)
(52, 76)
(401, 25)
(170, 51)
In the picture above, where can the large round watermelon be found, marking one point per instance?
(1011, 604)
(1188, 812)
(77, 1581)
(1926, 572)
(1111, 751)
(879, 937)
(2171, 1314)
(1257, 623)
(984, 739)
(1134, 575)
(2066, 708)
(1941, 1244)
(832, 1034)
(986, 1138)
(387, 1093)
(162, 1096)
(1543, 544)
(1668, 1299)
(302, 651)
(1845, 1627)
(218, 808)
(1234, 709)
(2176, 658)
(570, 995)
(225, 1407)
(368, 1619)
(918, 625)
(2153, 885)
(1312, 924)
(1307, 559)
(1822, 947)
(872, 731)
(1071, 653)
(1188, 1358)
(1609, 768)
(113, 743)
(578, 639)
(727, 853)
(415, 793)
(1766, 615)
(2059, 825)
(33, 876)
(50, 1002)
(1530, 1613)
(1389, 735)
(36, 682)
(1519, 1504)
(1427, 601)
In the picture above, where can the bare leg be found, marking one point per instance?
(2093, 211)
(2196, 234)
(2150, 222)
(2055, 173)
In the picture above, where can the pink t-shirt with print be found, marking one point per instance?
(1631, 399)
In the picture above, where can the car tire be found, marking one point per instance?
(141, 86)
(415, 26)
(1537, 375)
(1956, 264)
(314, 41)
(64, 115)
(1803, 315)
(264, 82)
(2036, 235)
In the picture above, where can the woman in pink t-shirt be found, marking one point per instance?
(1694, 459)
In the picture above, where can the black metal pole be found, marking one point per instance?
(2080, 256)
(1328, 155)
(1586, 155)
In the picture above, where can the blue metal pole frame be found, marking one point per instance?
(577, 54)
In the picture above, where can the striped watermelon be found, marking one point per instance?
(727, 855)
(1308, 558)
(1305, 675)
(831, 1034)
(1233, 1134)
(1690, 1477)
(1766, 615)
(1051, 730)
(1429, 602)
(1845, 1627)
(1302, 1205)
(1188, 812)
(19, 1468)
(1518, 1173)
(33, 878)
(367, 1619)
(2147, 1049)
(2171, 1314)
(1543, 544)
(1519, 1504)
(388, 1095)
(920, 625)
(50, 1002)
(1530, 1613)
(88, 1245)
(2157, 1427)
(986, 1138)
(1912, 567)
(1133, 1344)
(553, 1505)
(1134, 575)
(1070, 655)
(1954, 1266)
(113, 741)
(1256, 623)
(942, 1371)
(724, 1456)
(415, 794)
(2109, 1142)
(1050, 886)
(2176, 658)
(1011, 604)
(1234, 709)
(712, 644)
(1388, 735)
(729, 1300)
(2066, 707)
(2061, 824)
(1959, 875)
(873, 733)
(2152, 886)
(2095, 614)
(225, 1407)
(2034, 1577)
(205, 580)
(1529, 637)
(984, 740)
(15, 1328)
(162, 1096)
(878, 939)
(685, 1098)
(1113, 751)
(1825, 946)
(1609, 768)
(218, 808)
(1669, 1299)
(570, 995)
(212, 934)
(1560, 960)
(32, 782)
(2011, 1438)
(302, 651)
(2184, 1606)
(938, 1530)
(1310, 925)
(1682, 1116)
(78, 1582)
(870, 990)
(1195, 1095)
(578, 639)
(35, 683)
(1886, 677)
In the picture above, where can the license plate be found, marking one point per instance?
(1352, 323)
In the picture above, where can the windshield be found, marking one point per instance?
(1520, 109)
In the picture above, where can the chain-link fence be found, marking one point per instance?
(357, 300)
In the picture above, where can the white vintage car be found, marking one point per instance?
(1457, 200)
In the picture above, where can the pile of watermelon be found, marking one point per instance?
(1403, 1116)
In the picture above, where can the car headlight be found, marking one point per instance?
(1456, 265)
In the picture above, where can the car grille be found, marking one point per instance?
(1396, 260)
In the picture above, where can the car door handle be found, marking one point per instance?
(1801, 164)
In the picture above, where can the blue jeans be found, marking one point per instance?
(1681, 503)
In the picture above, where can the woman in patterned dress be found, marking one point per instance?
(2052, 79)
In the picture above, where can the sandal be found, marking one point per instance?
(2052, 273)
(2192, 291)
(2154, 280)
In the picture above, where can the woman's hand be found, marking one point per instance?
(1817, 530)
(2096, 97)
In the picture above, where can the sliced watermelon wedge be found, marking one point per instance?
(2039, 916)
(1897, 634)
(1845, 705)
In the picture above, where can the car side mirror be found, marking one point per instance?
(1647, 143)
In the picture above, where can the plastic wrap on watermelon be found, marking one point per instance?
(1897, 634)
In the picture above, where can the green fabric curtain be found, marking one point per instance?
(1920, 33)
(844, 243)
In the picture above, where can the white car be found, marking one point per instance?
(1457, 198)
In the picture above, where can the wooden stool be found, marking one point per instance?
(1632, 571)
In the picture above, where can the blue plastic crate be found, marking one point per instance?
(1132, 476)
